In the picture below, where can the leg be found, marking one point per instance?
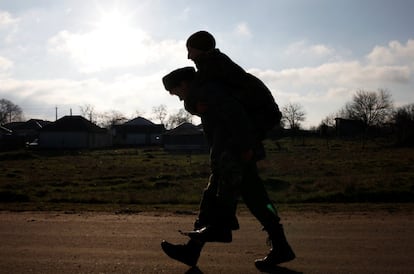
(217, 216)
(256, 198)
(216, 219)
(208, 216)
(211, 207)
(258, 202)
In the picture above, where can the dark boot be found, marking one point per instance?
(185, 253)
(280, 251)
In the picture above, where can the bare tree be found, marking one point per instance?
(9, 112)
(404, 113)
(88, 111)
(138, 113)
(372, 108)
(160, 113)
(329, 120)
(111, 118)
(182, 116)
(403, 118)
(293, 114)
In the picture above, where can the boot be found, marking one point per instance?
(185, 253)
(280, 251)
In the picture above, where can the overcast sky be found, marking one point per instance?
(113, 54)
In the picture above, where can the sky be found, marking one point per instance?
(111, 55)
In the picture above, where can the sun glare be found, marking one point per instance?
(112, 22)
(114, 42)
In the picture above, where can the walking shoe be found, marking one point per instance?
(274, 258)
(183, 253)
(281, 252)
(210, 234)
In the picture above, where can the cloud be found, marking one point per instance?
(126, 93)
(395, 53)
(5, 65)
(99, 50)
(303, 53)
(333, 75)
(8, 24)
(302, 48)
(6, 19)
(326, 87)
(242, 29)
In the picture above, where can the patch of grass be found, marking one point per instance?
(309, 171)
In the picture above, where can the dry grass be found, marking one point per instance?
(309, 170)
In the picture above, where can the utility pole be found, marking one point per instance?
(56, 113)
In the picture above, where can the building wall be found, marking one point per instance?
(72, 140)
(185, 142)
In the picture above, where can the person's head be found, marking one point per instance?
(178, 81)
(198, 43)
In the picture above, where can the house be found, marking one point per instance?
(138, 132)
(185, 137)
(29, 130)
(17, 134)
(6, 140)
(73, 132)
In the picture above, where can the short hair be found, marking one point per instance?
(175, 77)
(201, 40)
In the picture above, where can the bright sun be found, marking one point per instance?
(114, 42)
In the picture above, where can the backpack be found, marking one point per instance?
(248, 89)
(259, 104)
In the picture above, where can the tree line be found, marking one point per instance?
(372, 108)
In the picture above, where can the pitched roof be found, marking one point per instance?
(5, 130)
(185, 129)
(139, 121)
(73, 123)
(28, 125)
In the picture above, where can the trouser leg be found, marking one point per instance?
(256, 198)
(217, 210)
(216, 217)
(208, 204)
(259, 203)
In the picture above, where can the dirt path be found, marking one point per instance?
(33, 242)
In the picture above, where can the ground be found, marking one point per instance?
(378, 241)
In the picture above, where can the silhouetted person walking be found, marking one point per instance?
(235, 147)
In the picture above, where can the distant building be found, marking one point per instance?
(29, 130)
(6, 138)
(185, 137)
(73, 132)
(17, 134)
(138, 132)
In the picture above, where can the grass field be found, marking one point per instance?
(301, 171)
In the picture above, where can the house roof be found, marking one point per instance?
(185, 129)
(139, 125)
(32, 124)
(5, 130)
(73, 123)
(139, 121)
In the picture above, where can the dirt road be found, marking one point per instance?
(344, 242)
